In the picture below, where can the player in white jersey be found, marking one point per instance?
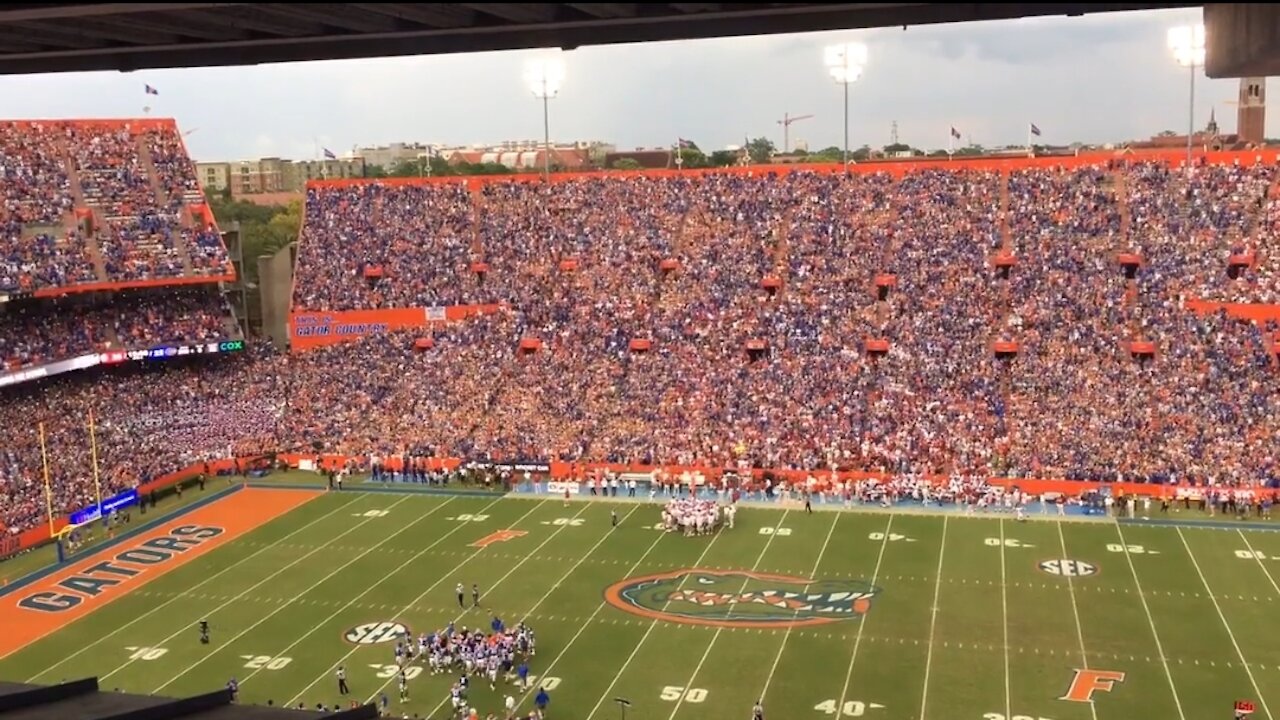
(493, 662)
(455, 694)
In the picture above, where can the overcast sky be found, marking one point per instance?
(1099, 78)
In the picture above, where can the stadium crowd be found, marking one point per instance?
(803, 321)
(137, 183)
(45, 332)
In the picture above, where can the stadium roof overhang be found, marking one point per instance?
(57, 37)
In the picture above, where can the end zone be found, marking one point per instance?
(70, 592)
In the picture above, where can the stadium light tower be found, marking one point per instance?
(544, 78)
(1187, 44)
(844, 63)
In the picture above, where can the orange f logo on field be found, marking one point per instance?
(1087, 682)
(500, 536)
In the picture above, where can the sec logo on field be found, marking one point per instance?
(1069, 568)
(375, 632)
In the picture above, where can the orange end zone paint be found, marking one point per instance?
(88, 583)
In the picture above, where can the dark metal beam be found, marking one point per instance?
(58, 35)
(58, 11)
(256, 21)
(516, 12)
(200, 30)
(436, 15)
(108, 31)
(335, 15)
(606, 10)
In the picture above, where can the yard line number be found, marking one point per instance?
(266, 662)
(1253, 555)
(1007, 542)
(372, 513)
(672, 693)
(386, 672)
(569, 522)
(146, 653)
(891, 537)
(781, 532)
(1000, 716)
(548, 683)
(1131, 549)
(468, 517)
(852, 708)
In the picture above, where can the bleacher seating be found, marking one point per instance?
(799, 320)
(133, 183)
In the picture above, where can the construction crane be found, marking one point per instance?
(785, 122)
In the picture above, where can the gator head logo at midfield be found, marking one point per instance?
(734, 598)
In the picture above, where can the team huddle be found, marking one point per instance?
(697, 517)
(471, 653)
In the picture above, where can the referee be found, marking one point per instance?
(342, 681)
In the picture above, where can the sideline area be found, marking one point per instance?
(46, 601)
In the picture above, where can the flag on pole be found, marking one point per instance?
(684, 144)
(150, 90)
(1035, 130)
(328, 154)
(955, 133)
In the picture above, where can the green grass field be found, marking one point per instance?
(967, 622)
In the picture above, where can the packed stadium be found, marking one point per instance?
(682, 440)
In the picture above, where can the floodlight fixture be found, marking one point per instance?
(544, 76)
(1188, 47)
(844, 63)
(1187, 44)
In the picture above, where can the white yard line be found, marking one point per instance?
(933, 621)
(732, 603)
(1151, 622)
(1239, 653)
(636, 650)
(543, 599)
(1258, 559)
(764, 692)
(862, 621)
(237, 597)
(1004, 612)
(187, 592)
(1075, 612)
(582, 628)
(228, 643)
(394, 573)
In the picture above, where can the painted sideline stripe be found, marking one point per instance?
(93, 581)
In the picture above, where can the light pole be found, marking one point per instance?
(844, 63)
(544, 77)
(1187, 44)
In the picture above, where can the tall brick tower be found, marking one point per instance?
(1251, 110)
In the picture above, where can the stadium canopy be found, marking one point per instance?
(57, 37)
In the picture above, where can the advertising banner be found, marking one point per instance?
(112, 357)
(93, 512)
(309, 330)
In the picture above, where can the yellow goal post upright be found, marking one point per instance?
(74, 536)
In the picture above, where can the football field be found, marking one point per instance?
(892, 616)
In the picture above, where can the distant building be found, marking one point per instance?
(1251, 111)
(388, 156)
(522, 157)
(1251, 119)
(274, 175)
